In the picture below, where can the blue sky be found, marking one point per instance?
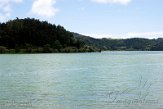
(97, 18)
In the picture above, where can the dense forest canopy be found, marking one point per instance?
(31, 31)
(31, 34)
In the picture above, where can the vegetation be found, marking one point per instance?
(132, 44)
(34, 36)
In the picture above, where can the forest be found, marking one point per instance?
(31, 35)
(130, 44)
(35, 36)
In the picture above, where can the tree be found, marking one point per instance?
(47, 48)
(57, 45)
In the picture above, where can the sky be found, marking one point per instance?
(96, 18)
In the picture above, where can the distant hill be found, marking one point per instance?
(132, 44)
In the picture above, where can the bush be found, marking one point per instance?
(3, 49)
(12, 50)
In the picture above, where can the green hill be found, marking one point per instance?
(132, 44)
(34, 36)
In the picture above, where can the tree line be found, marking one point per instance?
(31, 35)
(130, 44)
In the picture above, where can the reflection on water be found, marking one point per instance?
(107, 80)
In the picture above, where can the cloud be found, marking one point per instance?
(44, 8)
(149, 35)
(5, 8)
(145, 35)
(123, 2)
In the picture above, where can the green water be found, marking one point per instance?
(107, 80)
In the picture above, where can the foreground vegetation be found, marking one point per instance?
(34, 36)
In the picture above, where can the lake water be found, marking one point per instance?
(107, 80)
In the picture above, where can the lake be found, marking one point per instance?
(107, 80)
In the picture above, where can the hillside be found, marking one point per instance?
(132, 44)
(34, 36)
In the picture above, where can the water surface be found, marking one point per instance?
(107, 80)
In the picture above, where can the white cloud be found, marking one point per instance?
(44, 8)
(149, 35)
(145, 35)
(5, 8)
(124, 2)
